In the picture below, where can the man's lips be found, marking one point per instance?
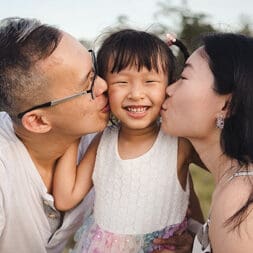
(106, 108)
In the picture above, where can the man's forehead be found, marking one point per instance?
(68, 51)
(69, 45)
(70, 62)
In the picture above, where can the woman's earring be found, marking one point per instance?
(220, 122)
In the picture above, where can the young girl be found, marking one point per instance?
(140, 174)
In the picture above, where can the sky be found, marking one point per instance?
(87, 19)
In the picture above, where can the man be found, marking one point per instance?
(51, 97)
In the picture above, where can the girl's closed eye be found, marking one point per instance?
(119, 82)
(152, 81)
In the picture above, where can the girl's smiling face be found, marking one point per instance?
(136, 96)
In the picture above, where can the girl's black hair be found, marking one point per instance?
(130, 47)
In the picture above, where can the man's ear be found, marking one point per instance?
(36, 122)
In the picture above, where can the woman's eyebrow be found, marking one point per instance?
(188, 65)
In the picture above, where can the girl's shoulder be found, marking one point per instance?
(187, 154)
(185, 148)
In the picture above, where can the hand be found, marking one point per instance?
(181, 242)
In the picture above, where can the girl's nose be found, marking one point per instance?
(136, 92)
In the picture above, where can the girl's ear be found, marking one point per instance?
(36, 122)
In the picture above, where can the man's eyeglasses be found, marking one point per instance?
(62, 100)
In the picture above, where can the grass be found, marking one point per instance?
(203, 185)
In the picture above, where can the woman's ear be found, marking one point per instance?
(226, 104)
(223, 112)
(36, 122)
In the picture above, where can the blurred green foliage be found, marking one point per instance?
(203, 185)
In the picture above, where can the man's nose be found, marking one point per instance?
(100, 86)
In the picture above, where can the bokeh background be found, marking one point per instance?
(86, 19)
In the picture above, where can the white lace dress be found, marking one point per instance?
(136, 200)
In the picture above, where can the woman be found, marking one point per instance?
(212, 106)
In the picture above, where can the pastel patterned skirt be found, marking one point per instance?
(93, 239)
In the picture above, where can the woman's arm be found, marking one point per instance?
(72, 182)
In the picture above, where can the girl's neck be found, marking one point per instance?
(138, 134)
(135, 142)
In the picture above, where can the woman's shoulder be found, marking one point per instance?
(233, 192)
(231, 227)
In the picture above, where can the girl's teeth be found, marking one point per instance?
(139, 109)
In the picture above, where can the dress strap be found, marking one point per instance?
(236, 174)
(240, 174)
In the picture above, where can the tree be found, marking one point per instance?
(189, 25)
(245, 25)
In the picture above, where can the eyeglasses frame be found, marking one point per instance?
(62, 100)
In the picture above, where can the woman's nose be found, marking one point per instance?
(170, 89)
